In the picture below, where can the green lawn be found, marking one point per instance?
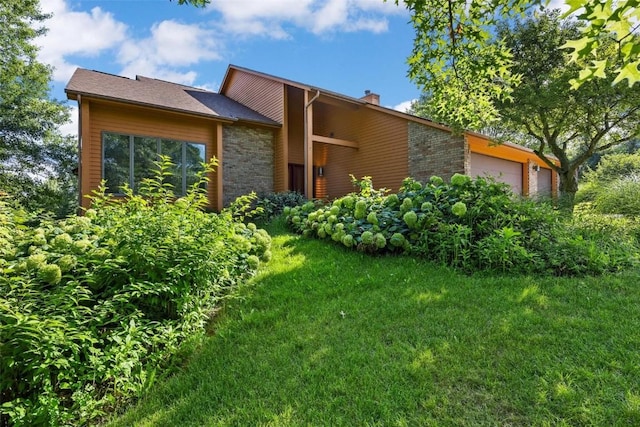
(329, 337)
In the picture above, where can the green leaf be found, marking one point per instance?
(573, 6)
(598, 68)
(629, 72)
(579, 46)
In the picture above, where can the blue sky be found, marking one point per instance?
(346, 46)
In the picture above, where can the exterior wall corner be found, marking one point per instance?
(532, 179)
(436, 152)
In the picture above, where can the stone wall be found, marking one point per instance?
(247, 161)
(436, 152)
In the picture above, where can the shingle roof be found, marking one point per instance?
(161, 94)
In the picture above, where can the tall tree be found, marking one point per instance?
(457, 64)
(544, 113)
(34, 158)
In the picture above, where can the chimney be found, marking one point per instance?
(371, 98)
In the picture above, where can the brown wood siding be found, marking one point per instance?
(85, 155)
(335, 122)
(295, 124)
(258, 93)
(340, 163)
(382, 154)
(144, 122)
(280, 182)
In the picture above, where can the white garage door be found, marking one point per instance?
(502, 170)
(544, 182)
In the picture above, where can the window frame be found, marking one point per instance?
(159, 141)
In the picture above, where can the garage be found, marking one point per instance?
(502, 170)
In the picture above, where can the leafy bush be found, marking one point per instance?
(621, 196)
(272, 205)
(613, 167)
(614, 187)
(468, 224)
(92, 306)
(615, 226)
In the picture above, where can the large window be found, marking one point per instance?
(129, 159)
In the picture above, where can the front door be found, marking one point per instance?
(296, 178)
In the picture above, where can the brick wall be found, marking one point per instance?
(247, 161)
(436, 152)
(532, 178)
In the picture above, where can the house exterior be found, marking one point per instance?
(271, 134)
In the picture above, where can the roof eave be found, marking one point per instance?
(73, 95)
(508, 144)
(408, 116)
(274, 125)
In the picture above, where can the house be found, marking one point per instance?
(273, 134)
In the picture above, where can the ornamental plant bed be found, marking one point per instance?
(468, 224)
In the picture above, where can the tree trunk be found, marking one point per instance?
(568, 189)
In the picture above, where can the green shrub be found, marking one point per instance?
(460, 180)
(468, 224)
(613, 167)
(272, 205)
(410, 218)
(614, 186)
(459, 209)
(621, 196)
(504, 250)
(91, 307)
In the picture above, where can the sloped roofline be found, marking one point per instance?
(363, 103)
(303, 86)
(107, 87)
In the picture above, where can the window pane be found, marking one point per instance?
(195, 156)
(145, 154)
(115, 161)
(173, 149)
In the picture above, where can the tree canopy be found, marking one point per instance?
(463, 69)
(34, 158)
(564, 126)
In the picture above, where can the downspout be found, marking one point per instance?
(306, 144)
(79, 176)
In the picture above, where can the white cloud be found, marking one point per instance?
(388, 6)
(170, 45)
(260, 17)
(333, 13)
(271, 18)
(76, 33)
(404, 106)
(558, 4)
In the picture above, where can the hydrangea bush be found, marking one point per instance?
(92, 306)
(469, 224)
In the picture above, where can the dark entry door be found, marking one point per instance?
(296, 178)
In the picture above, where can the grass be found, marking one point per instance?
(325, 336)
